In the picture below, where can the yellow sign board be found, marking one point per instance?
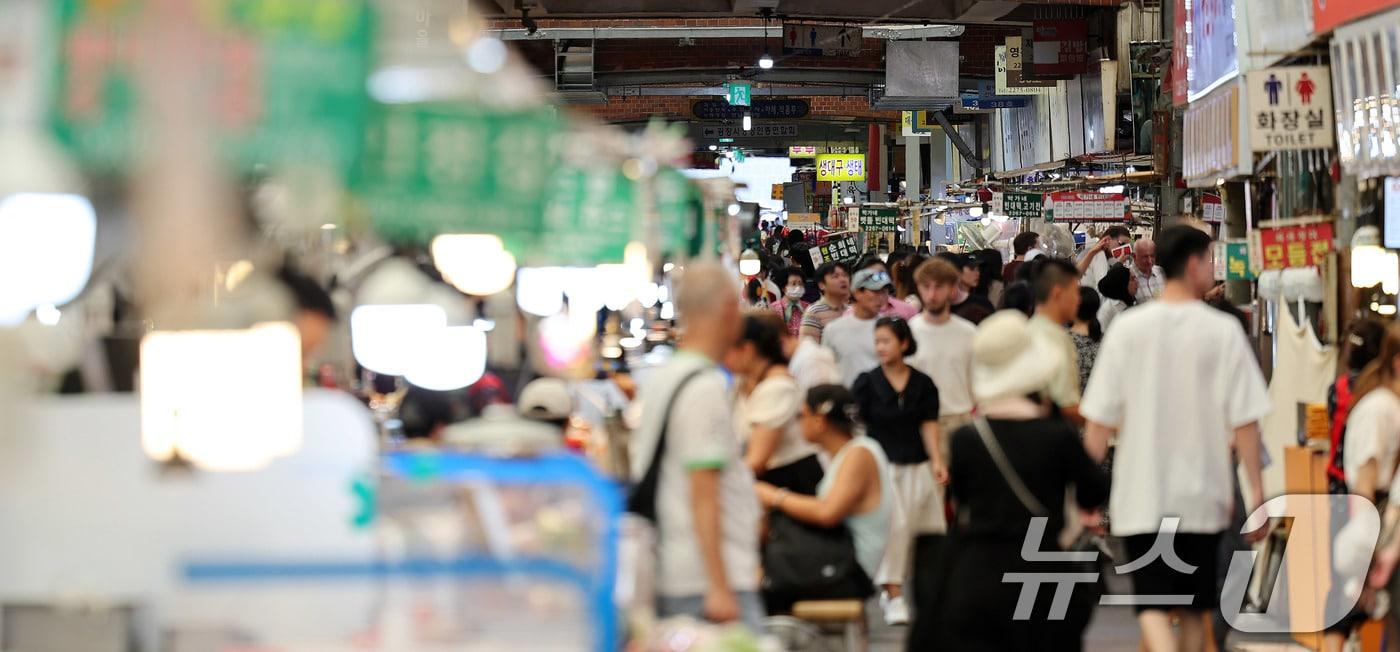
(777, 191)
(841, 167)
(802, 151)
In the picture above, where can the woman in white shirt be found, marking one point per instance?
(1119, 290)
(766, 402)
(856, 490)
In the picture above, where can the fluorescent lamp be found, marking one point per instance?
(540, 290)
(748, 122)
(1112, 190)
(476, 264)
(225, 400)
(765, 62)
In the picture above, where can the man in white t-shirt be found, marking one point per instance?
(707, 513)
(852, 337)
(1094, 263)
(944, 345)
(1177, 382)
(1056, 287)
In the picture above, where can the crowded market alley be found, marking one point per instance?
(699, 326)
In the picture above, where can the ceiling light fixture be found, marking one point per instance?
(748, 122)
(765, 62)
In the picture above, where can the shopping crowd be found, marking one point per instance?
(903, 432)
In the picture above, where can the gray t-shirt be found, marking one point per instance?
(852, 340)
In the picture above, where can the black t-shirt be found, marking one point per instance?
(895, 419)
(1046, 453)
(974, 308)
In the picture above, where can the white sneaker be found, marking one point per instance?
(896, 610)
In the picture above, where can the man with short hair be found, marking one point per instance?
(972, 307)
(1056, 290)
(1094, 263)
(1150, 280)
(1178, 383)
(1019, 246)
(707, 513)
(944, 350)
(835, 284)
(852, 337)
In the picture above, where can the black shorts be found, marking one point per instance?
(1157, 579)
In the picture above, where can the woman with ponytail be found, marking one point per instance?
(1373, 426)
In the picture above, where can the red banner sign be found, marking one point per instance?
(1060, 48)
(1295, 246)
(1328, 14)
(1176, 75)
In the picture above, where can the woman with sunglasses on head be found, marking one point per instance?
(899, 405)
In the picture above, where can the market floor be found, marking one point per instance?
(1114, 629)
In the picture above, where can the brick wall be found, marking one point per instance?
(631, 109)
(977, 48)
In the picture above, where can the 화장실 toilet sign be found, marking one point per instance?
(1290, 107)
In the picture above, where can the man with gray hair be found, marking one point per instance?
(707, 513)
(1150, 280)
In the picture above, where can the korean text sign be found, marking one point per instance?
(1072, 206)
(880, 219)
(841, 167)
(1290, 108)
(1295, 246)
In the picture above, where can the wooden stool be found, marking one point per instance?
(849, 614)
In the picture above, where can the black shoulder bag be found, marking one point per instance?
(807, 562)
(642, 500)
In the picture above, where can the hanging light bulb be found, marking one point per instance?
(453, 358)
(387, 339)
(749, 264)
(765, 62)
(733, 210)
(474, 263)
(748, 122)
(540, 290)
(1372, 265)
(197, 388)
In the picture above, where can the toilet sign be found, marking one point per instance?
(1290, 108)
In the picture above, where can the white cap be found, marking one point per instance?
(545, 399)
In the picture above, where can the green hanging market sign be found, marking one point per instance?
(282, 80)
(454, 168)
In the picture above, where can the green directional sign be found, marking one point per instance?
(740, 93)
(281, 81)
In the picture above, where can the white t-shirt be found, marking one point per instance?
(1373, 432)
(1109, 309)
(774, 403)
(813, 364)
(852, 340)
(700, 435)
(945, 354)
(1175, 379)
(1098, 268)
(1149, 285)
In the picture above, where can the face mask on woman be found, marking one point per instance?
(796, 293)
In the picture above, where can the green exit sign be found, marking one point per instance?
(740, 93)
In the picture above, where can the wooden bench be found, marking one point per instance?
(848, 614)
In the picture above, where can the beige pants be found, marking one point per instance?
(917, 509)
(918, 506)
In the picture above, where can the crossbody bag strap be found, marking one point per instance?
(1008, 472)
(643, 500)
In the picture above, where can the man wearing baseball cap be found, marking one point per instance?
(852, 336)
